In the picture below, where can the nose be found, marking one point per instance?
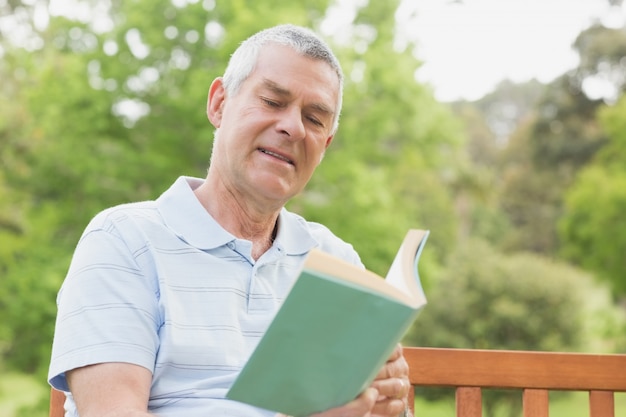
(291, 123)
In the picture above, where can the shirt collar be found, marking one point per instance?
(293, 234)
(185, 216)
(189, 220)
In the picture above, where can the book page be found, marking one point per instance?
(403, 273)
(334, 268)
(394, 276)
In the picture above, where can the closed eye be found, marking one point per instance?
(270, 102)
(315, 121)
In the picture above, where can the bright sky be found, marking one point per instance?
(468, 47)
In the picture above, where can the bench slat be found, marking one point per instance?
(535, 403)
(469, 402)
(516, 369)
(601, 404)
(57, 403)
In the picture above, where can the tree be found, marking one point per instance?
(600, 72)
(502, 110)
(561, 138)
(44, 157)
(493, 125)
(593, 228)
(486, 300)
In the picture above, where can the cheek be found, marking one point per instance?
(321, 146)
(316, 150)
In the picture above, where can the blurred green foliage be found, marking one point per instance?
(111, 108)
(594, 227)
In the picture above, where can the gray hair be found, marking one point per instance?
(302, 40)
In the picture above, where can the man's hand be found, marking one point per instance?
(393, 386)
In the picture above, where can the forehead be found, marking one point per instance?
(286, 70)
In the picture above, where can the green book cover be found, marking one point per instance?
(333, 333)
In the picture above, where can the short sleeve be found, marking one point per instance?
(107, 306)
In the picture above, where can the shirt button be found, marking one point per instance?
(231, 245)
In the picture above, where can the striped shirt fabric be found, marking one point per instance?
(162, 285)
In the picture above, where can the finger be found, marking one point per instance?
(393, 387)
(362, 405)
(394, 368)
(397, 352)
(369, 397)
(389, 407)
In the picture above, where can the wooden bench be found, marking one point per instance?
(534, 373)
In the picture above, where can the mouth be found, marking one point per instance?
(277, 155)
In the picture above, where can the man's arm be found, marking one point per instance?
(111, 390)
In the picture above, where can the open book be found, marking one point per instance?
(336, 329)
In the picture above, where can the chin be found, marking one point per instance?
(272, 192)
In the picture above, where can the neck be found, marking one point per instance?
(239, 216)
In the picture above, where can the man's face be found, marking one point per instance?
(273, 132)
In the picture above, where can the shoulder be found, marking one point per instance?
(129, 212)
(327, 241)
(128, 222)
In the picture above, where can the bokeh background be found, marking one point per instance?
(523, 188)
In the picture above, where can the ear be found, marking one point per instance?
(215, 102)
(328, 141)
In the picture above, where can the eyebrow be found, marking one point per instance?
(275, 87)
(282, 91)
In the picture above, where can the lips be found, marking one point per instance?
(276, 155)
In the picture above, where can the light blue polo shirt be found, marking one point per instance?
(162, 285)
